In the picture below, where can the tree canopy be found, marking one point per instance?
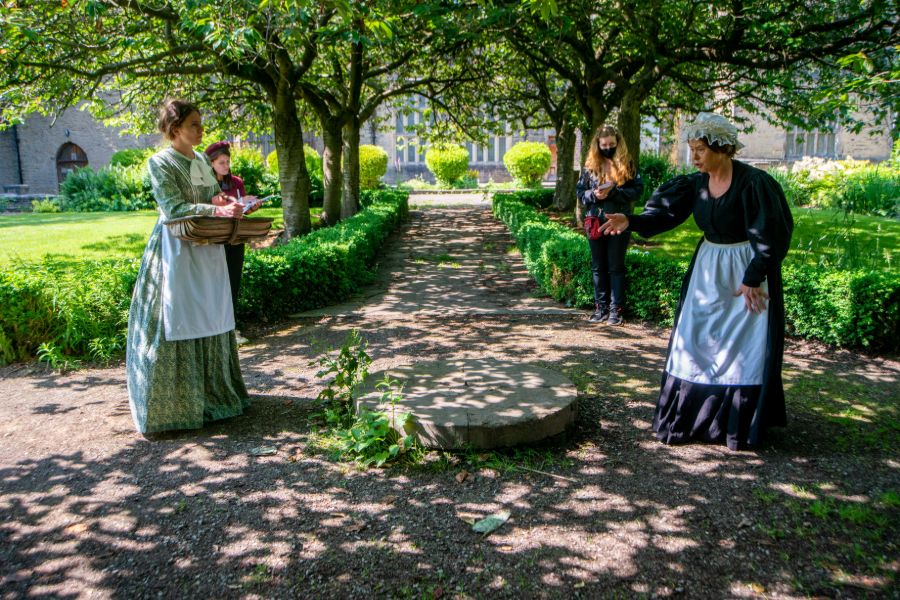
(274, 64)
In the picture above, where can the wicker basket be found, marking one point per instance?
(200, 229)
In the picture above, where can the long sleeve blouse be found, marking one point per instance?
(621, 198)
(182, 186)
(753, 209)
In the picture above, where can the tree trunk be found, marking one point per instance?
(292, 174)
(331, 166)
(667, 142)
(564, 195)
(350, 202)
(629, 125)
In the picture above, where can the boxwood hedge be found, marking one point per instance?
(81, 309)
(859, 309)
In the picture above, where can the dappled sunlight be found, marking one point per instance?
(88, 503)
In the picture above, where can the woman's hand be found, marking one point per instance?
(615, 224)
(235, 210)
(221, 199)
(601, 194)
(754, 298)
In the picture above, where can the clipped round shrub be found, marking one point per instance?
(373, 163)
(527, 162)
(447, 162)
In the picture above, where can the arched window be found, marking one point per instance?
(68, 158)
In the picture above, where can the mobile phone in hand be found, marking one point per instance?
(606, 185)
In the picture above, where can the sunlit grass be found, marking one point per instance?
(30, 237)
(827, 238)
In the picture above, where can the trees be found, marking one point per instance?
(579, 63)
(233, 59)
(250, 59)
(372, 54)
(619, 55)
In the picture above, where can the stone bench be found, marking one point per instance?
(478, 403)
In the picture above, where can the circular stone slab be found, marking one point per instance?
(478, 403)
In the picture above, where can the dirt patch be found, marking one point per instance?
(91, 509)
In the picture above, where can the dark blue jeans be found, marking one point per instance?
(608, 267)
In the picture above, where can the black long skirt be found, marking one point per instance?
(689, 411)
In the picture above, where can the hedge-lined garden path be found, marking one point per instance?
(90, 509)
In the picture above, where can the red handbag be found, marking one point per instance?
(592, 228)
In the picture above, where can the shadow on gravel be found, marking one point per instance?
(195, 513)
(605, 512)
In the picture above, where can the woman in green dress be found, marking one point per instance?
(181, 355)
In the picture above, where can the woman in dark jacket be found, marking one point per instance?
(608, 184)
(722, 381)
(232, 188)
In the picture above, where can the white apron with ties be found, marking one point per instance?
(196, 292)
(717, 340)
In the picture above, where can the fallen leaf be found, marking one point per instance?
(339, 515)
(579, 585)
(491, 523)
(287, 402)
(389, 499)
(468, 518)
(463, 476)
(76, 528)
(263, 451)
(356, 526)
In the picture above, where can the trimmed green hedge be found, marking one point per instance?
(322, 268)
(858, 308)
(81, 309)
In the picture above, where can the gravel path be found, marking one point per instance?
(92, 510)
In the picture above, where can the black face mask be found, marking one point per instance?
(608, 153)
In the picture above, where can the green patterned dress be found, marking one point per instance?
(181, 355)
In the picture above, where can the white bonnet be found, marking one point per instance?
(715, 128)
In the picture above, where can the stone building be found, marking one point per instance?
(36, 155)
(767, 144)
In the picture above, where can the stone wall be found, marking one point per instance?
(767, 144)
(865, 145)
(40, 140)
(9, 162)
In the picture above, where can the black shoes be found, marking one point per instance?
(611, 316)
(615, 317)
(600, 315)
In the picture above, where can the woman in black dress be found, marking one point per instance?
(722, 380)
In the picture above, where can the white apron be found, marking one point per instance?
(717, 340)
(196, 292)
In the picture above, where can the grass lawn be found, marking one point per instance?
(824, 237)
(29, 237)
